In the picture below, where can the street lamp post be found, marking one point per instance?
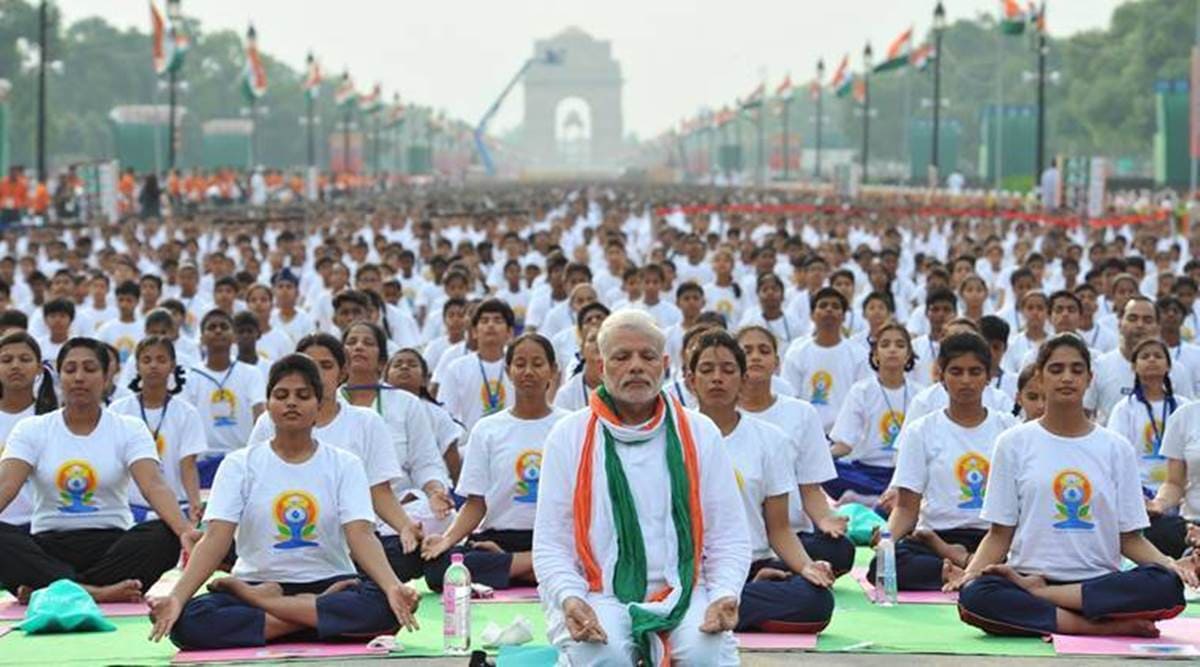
(175, 15)
(939, 26)
(308, 114)
(820, 97)
(43, 19)
(1041, 105)
(866, 149)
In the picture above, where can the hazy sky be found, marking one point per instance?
(676, 55)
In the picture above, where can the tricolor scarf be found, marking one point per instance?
(629, 573)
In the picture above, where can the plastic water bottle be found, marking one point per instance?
(886, 592)
(456, 608)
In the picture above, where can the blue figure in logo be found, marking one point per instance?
(529, 470)
(296, 519)
(1073, 491)
(76, 488)
(972, 473)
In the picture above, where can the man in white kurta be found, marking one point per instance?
(580, 583)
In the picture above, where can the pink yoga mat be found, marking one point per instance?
(1180, 637)
(11, 611)
(521, 594)
(276, 652)
(772, 641)
(904, 597)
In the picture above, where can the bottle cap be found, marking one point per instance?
(456, 558)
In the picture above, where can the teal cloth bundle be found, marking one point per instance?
(64, 606)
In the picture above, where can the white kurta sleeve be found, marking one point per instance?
(554, 557)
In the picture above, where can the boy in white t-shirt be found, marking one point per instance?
(124, 332)
(823, 368)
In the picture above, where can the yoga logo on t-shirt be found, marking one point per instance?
(529, 469)
(1072, 492)
(889, 427)
(160, 445)
(1151, 443)
(971, 469)
(821, 383)
(125, 346)
(491, 396)
(224, 407)
(76, 480)
(725, 307)
(296, 519)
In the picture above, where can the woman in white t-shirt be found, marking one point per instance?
(941, 472)
(786, 591)
(872, 414)
(820, 529)
(301, 512)
(20, 369)
(1142, 417)
(1064, 504)
(1181, 489)
(173, 423)
(408, 370)
(79, 461)
(500, 478)
(423, 487)
(363, 433)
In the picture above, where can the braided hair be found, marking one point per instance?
(178, 373)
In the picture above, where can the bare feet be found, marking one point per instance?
(950, 571)
(1030, 582)
(1134, 627)
(955, 553)
(340, 586)
(1071, 623)
(244, 591)
(23, 594)
(129, 590)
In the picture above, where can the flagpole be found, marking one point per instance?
(1041, 99)
(820, 97)
(41, 104)
(939, 26)
(866, 149)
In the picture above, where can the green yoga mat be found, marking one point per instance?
(126, 646)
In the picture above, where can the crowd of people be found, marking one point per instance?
(651, 414)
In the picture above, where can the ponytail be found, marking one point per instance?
(46, 400)
(737, 289)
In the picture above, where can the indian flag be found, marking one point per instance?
(785, 87)
(1012, 18)
(922, 56)
(254, 76)
(898, 52)
(840, 83)
(345, 96)
(860, 90)
(755, 99)
(167, 43)
(312, 78)
(374, 101)
(1037, 17)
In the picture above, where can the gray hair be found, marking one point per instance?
(630, 319)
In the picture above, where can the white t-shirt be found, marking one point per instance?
(225, 400)
(1130, 419)
(357, 430)
(1112, 380)
(122, 335)
(290, 517)
(80, 481)
(725, 301)
(274, 345)
(296, 328)
(503, 464)
(177, 433)
(1182, 443)
(871, 419)
(948, 465)
(20, 511)
(823, 376)
(1069, 498)
(573, 394)
(446, 431)
(756, 448)
(813, 462)
(464, 393)
(926, 350)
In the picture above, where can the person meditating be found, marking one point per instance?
(821, 530)
(788, 590)
(499, 512)
(79, 460)
(301, 511)
(1064, 500)
(942, 470)
(640, 543)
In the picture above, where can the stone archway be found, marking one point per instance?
(587, 72)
